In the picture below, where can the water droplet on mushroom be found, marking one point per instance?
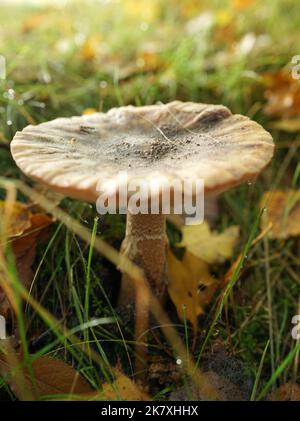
(249, 183)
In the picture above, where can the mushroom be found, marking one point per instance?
(76, 156)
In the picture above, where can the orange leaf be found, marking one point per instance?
(50, 377)
(282, 93)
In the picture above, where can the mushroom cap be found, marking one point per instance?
(179, 140)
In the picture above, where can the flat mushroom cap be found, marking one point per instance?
(179, 140)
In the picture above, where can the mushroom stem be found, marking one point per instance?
(145, 244)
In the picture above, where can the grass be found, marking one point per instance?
(61, 62)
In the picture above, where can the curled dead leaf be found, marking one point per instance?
(25, 230)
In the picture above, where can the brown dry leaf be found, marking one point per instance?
(282, 93)
(282, 210)
(24, 249)
(51, 377)
(54, 377)
(19, 218)
(208, 245)
(190, 286)
(286, 392)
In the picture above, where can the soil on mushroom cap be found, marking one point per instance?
(164, 144)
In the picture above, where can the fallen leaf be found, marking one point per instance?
(18, 219)
(51, 377)
(282, 93)
(54, 377)
(148, 60)
(208, 245)
(286, 392)
(88, 111)
(26, 230)
(122, 388)
(90, 48)
(34, 21)
(190, 286)
(282, 210)
(224, 17)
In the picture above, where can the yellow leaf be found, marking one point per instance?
(282, 210)
(241, 4)
(89, 111)
(190, 286)
(224, 17)
(90, 48)
(18, 218)
(32, 22)
(123, 388)
(145, 9)
(208, 245)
